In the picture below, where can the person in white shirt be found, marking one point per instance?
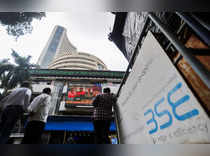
(38, 113)
(13, 107)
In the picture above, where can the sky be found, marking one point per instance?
(87, 31)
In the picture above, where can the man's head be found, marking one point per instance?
(47, 91)
(106, 90)
(25, 85)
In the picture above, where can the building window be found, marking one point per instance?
(100, 67)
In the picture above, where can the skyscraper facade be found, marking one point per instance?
(60, 53)
(57, 42)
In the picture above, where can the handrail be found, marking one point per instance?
(197, 66)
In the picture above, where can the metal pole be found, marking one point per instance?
(204, 24)
(197, 27)
(195, 64)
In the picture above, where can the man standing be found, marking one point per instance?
(102, 115)
(13, 107)
(38, 113)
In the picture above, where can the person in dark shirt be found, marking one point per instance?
(102, 115)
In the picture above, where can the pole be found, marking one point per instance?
(194, 63)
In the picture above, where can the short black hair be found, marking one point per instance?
(106, 90)
(25, 84)
(46, 90)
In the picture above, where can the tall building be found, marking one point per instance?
(59, 53)
(78, 61)
(57, 42)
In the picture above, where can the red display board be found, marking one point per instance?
(82, 94)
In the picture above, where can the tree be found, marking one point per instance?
(13, 74)
(19, 23)
(4, 68)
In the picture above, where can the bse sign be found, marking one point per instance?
(155, 104)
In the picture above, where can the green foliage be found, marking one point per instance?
(19, 23)
(13, 74)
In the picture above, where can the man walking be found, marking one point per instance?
(102, 115)
(13, 107)
(38, 113)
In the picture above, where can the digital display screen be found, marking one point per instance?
(82, 94)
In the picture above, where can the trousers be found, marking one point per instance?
(33, 132)
(10, 115)
(101, 131)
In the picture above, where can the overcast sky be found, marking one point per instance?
(88, 31)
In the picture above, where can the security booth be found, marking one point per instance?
(71, 108)
(164, 96)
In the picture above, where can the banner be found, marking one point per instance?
(156, 105)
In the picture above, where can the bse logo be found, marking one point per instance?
(174, 105)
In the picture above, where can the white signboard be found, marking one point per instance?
(156, 106)
(38, 88)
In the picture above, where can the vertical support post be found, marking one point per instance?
(64, 137)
